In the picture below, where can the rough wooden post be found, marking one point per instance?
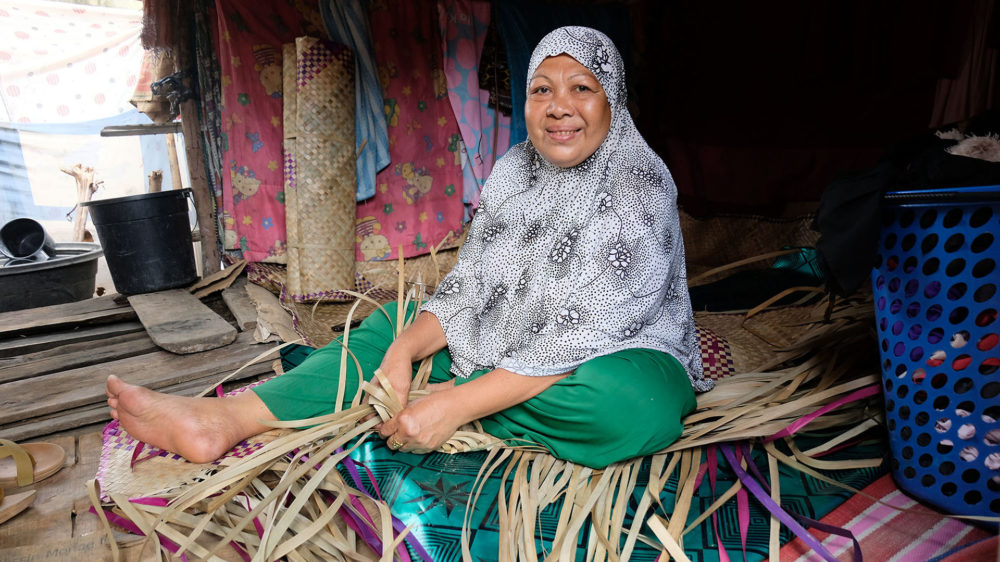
(203, 203)
(191, 124)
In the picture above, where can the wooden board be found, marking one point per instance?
(72, 418)
(29, 398)
(177, 321)
(239, 303)
(101, 310)
(72, 356)
(29, 344)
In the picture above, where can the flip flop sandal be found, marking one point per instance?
(21, 465)
(12, 505)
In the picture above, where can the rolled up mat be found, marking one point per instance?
(320, 170)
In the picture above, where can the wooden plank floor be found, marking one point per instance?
(58, 525)
(53, 363)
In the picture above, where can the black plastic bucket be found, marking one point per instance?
(146, 240)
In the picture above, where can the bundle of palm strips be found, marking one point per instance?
(289, 500)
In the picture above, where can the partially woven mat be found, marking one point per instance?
(755, 342)
(319, 169)
(157, 471)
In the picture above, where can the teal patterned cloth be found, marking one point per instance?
(431, 491)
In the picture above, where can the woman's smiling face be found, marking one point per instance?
(567, 112)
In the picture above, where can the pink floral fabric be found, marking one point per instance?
(249, 38)
(418, 197)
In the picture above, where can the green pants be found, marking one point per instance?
(611, 408)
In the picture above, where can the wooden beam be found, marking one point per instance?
(72, 418)
(204, 201)
(239, 303)
(49, 340)
(140, 129)
(75, 355)
(179, 322)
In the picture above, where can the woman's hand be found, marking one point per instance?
(424, 425)
(398, 369)
(421, 339)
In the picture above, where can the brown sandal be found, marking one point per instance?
(21, 465)
(12, 505)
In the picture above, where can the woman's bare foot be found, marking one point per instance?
(198, 429)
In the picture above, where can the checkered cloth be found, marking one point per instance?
(716, 357)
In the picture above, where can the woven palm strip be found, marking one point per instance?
(320, 172)
(295, 502)
(320, 322)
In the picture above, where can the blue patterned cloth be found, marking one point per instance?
(347, 23)
(430, 493)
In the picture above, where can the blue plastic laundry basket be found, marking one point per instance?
(935, 287)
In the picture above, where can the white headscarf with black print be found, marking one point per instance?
(562, 265)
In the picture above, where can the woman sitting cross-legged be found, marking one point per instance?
(565, 323)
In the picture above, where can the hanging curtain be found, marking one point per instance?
(485, 132)
(249, 37)
(346, 23)
(418, 199)
(971, 91)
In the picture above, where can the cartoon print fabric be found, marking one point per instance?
(249, 39)
(485, 132)
(418, 197)
(565, 264)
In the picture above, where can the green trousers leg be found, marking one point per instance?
(310, 389)
(611, 408)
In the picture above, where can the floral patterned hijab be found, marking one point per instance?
(562, 265)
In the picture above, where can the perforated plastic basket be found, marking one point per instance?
(935, 286)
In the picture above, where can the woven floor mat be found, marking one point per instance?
(724, 239)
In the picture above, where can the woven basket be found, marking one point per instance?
(320, 171)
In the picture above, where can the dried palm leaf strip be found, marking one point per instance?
(294, 514)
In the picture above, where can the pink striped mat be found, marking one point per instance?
(889, 535)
